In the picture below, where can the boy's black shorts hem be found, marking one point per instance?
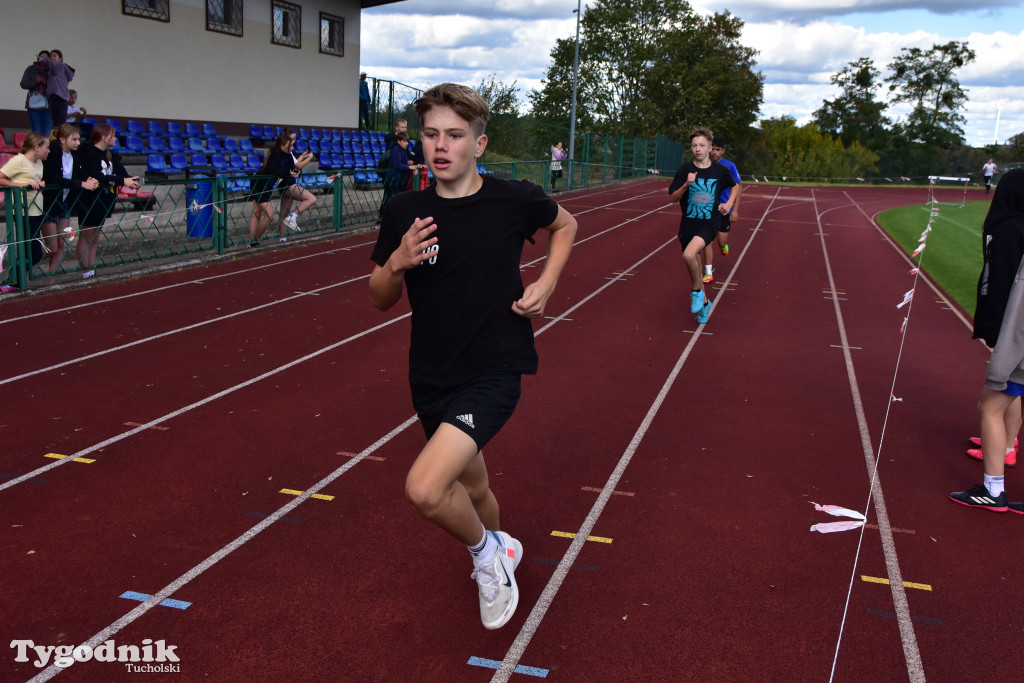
(707, 233)
(480, 408)
(726, 224)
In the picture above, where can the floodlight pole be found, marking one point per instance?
(575, 84)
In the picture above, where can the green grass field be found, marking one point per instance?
(953, 255)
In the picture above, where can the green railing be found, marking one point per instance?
(171, 218)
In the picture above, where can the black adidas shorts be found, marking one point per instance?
(726, 224)
(479, 408)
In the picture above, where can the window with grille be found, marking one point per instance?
(332, 35)
(287, 19)
(158, 10)
(224, 16)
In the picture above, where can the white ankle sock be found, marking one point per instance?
(994, 485)
(707, 269)
(483, 551)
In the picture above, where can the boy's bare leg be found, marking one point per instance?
(474, 479)
(1013, 418)
(993, 406)
(435, 485)
(691, 256)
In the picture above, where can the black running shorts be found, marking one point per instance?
(479, 408)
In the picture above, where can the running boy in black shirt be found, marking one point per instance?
(698, 188)
(457, 247)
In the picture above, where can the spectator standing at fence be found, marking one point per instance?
(74, 111)
(36, 101)
(364, 102)
(25, 169)
(558, 154)
(391, 139)
(398, 170)
(62, 189)
(717, 152)
(278, 167)
(697, 187)
(57, 87)
(989, 170)
(999, 321)
(456, 247)
(95, 160)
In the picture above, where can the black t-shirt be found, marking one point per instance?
(463, 326)
(700, 203)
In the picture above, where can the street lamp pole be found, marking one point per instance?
(575, 85)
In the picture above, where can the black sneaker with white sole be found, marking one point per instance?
(979, 497)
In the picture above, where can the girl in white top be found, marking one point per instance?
(557, 155)
(26, 169)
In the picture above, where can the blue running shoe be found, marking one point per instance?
(696, 301)
(705, 313)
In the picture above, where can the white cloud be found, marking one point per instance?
(421, 43)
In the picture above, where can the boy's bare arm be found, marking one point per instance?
(386, 281)
(560, 241)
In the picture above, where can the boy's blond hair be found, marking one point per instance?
(461, 99)
(706, 132)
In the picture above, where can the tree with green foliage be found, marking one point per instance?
(856, 115)
(650, 66)
(804, 152)
(927, 80)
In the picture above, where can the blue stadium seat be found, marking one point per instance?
(301, 146)
(174, 130)
(336, 135)
(134, 145)
(116, 125)
(268, 133)
(335, 146)
(244, 146)
(237, 163)
(154, 129)
(155, 145)
(337, 162)
(210, 131)
(231, 145)
(195, 145)
(175, 145)
(346, 147)
(314, 146)
(253, 162)
(133, 127)
(346, 136)
(179, 164)
(155, 165)
(348, 162)
(256, 131)
(200, 162)
(219, 163)
(375, 148)
(238, 184)
(303, 134)
(213, 146)
(192, 131)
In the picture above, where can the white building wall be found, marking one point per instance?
(131, 67)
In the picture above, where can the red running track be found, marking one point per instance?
(688, 456)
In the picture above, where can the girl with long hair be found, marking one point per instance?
(26, 169)
(97, 161)
(62, 188)
(285, 168)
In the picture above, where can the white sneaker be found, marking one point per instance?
(88, 274)
(292, 223)
(499, 594)
(284, 239)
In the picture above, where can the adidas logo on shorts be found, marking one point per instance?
(466, 419)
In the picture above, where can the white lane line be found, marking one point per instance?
(547, 596)
(911, 652)
(154, 290)
(193, 573)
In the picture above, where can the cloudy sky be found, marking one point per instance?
(801, 44)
